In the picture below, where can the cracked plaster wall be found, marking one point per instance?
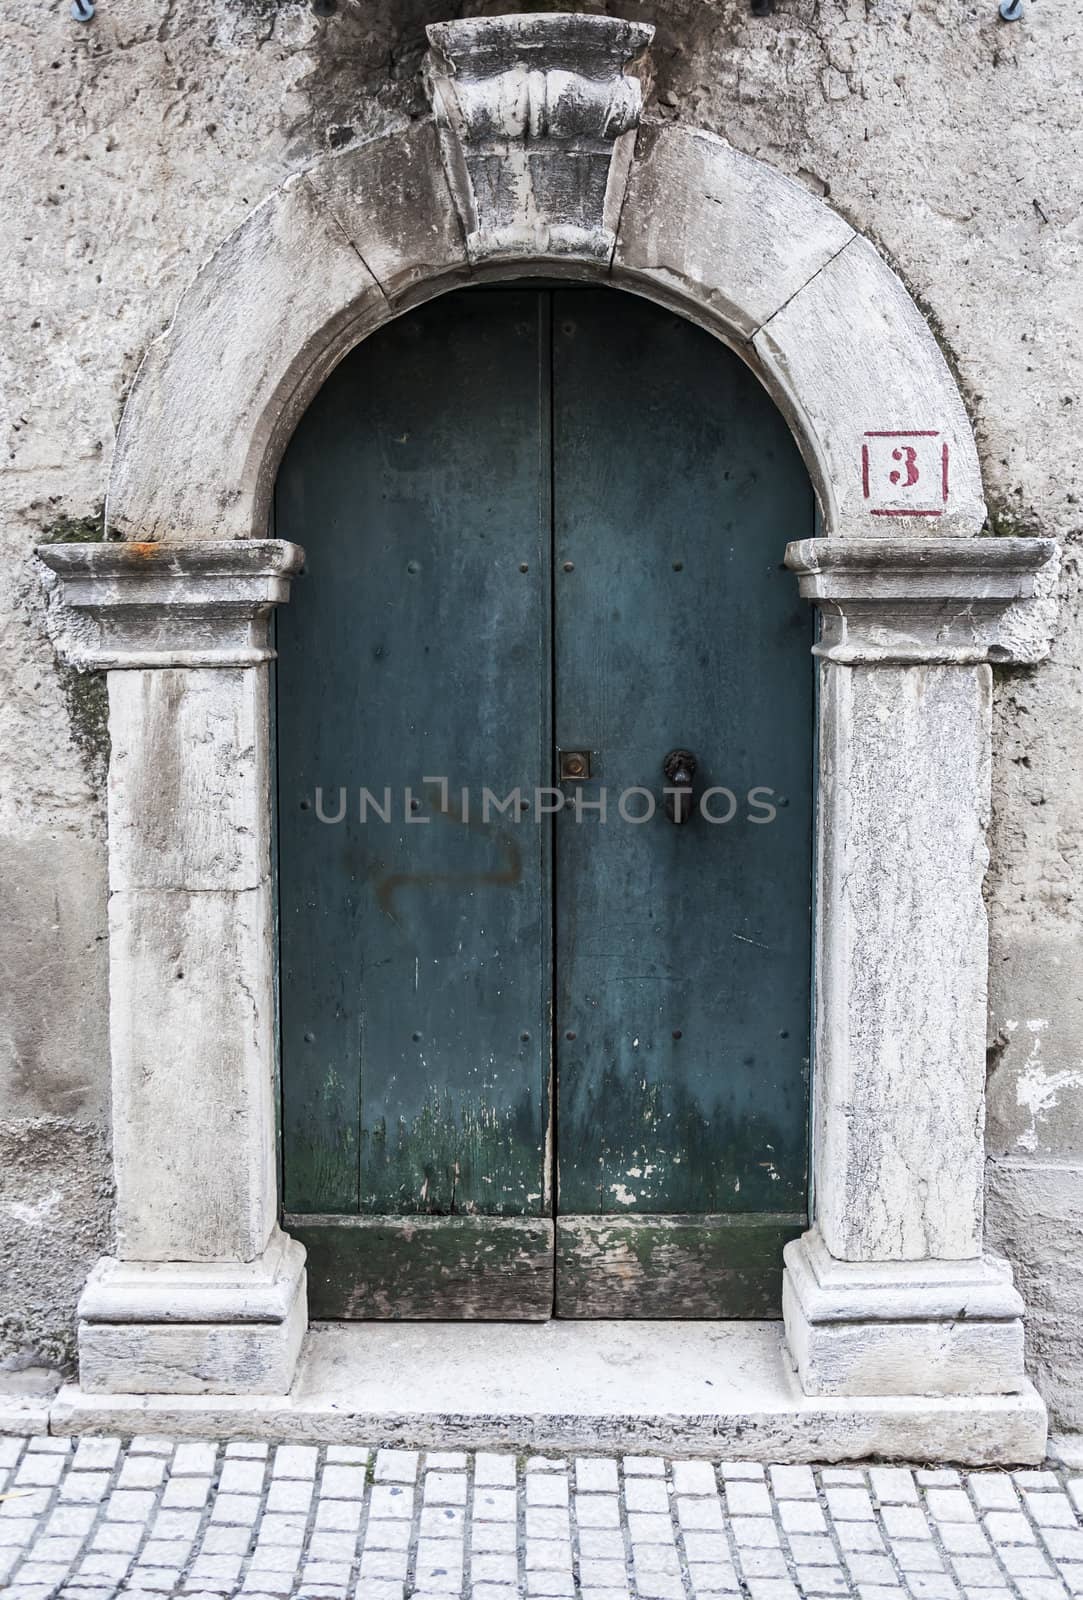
(134, 144)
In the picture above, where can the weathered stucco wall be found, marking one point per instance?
(134, 144)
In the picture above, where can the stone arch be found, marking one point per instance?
(536, 160)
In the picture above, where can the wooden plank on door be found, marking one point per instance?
(414, 660)
(417, 1269)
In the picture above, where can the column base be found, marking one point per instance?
(945, 1328)
(182, 1327)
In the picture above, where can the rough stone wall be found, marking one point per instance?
(135, 143)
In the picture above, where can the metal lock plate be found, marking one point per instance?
(574, 765)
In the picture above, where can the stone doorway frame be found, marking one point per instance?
(537, 160)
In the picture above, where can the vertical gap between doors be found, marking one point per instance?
(546, 311)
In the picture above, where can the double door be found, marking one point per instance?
(544, 734)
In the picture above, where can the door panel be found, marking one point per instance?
(682, 952)
(416, 952)
(536, 519)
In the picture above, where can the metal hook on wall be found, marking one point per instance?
(1011, 10)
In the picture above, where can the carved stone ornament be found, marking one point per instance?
(537, 118)
(169, 605)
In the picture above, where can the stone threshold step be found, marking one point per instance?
(721, 1389)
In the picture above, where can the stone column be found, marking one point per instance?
(205, 1294)
(890, 1292)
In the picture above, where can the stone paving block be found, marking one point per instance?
(447, 1488)
(10, 1451)
(801, 1516)
(741, 1469)
(40, 1470)
(694, 1477)
(546, 1489)
(494, 1471)
(605, 1543)
(905, 1522)
(595, 1475)
(916, 1556)
(982, 1571)
(356, 1455)
(645, 1527)
(756, 1532)
(492, 1566)
(1024, 1561)
(391, 1500)
(1066, 1544)
(597, 1511)
(283, 1528)
(841, 1475)
(859, 1536)
(189, 1493)
(893, 1485)
(50, 1444)
(25, 1503)
(993, 1491)
(713, 1577)
(932, 1586)
(1050, 1510)
(865, 1568)
(493, 1536)
(772, 1589)
(241, 1475)
(949, 1505)
(72, 1519)
(254, 1449)
(848, 1502)
(748, 1500)
(120, 1536)
(295, 1461)
(342, 1482)
(766, 1563)
(821, 1580)
(387, 1535)
(150, 1444)
(495, 1505)
(547, 1522)
(813, 1550)
(793, 1483)
(396, 1466)
(651, 1467)
(1072, 1574)
(176, 1525)
(963, 1538)
(647, 1494)
(384, 1564)
(242, 1509)
(141, 1472)
(701, 1514)
(937, 1477)
(1009, 1527)
(442, 1522)
(290, 1494)
(553, 1555)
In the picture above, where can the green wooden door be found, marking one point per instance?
(538, 1059)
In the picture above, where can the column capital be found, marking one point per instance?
(929, 600)
(205, 604)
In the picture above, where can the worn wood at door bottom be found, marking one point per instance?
(421, 1269)
(672, 1266)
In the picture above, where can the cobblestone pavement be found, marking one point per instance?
(91, 1518)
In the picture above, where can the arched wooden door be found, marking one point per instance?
(545, 1028)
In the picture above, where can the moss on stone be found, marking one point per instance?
(87, 699)
(76, 530)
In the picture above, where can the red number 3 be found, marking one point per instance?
(908, 454)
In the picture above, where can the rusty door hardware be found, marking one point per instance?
(574, 765)
(679, 768)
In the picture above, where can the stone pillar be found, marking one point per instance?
(205, 1294)
(890, 1292)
